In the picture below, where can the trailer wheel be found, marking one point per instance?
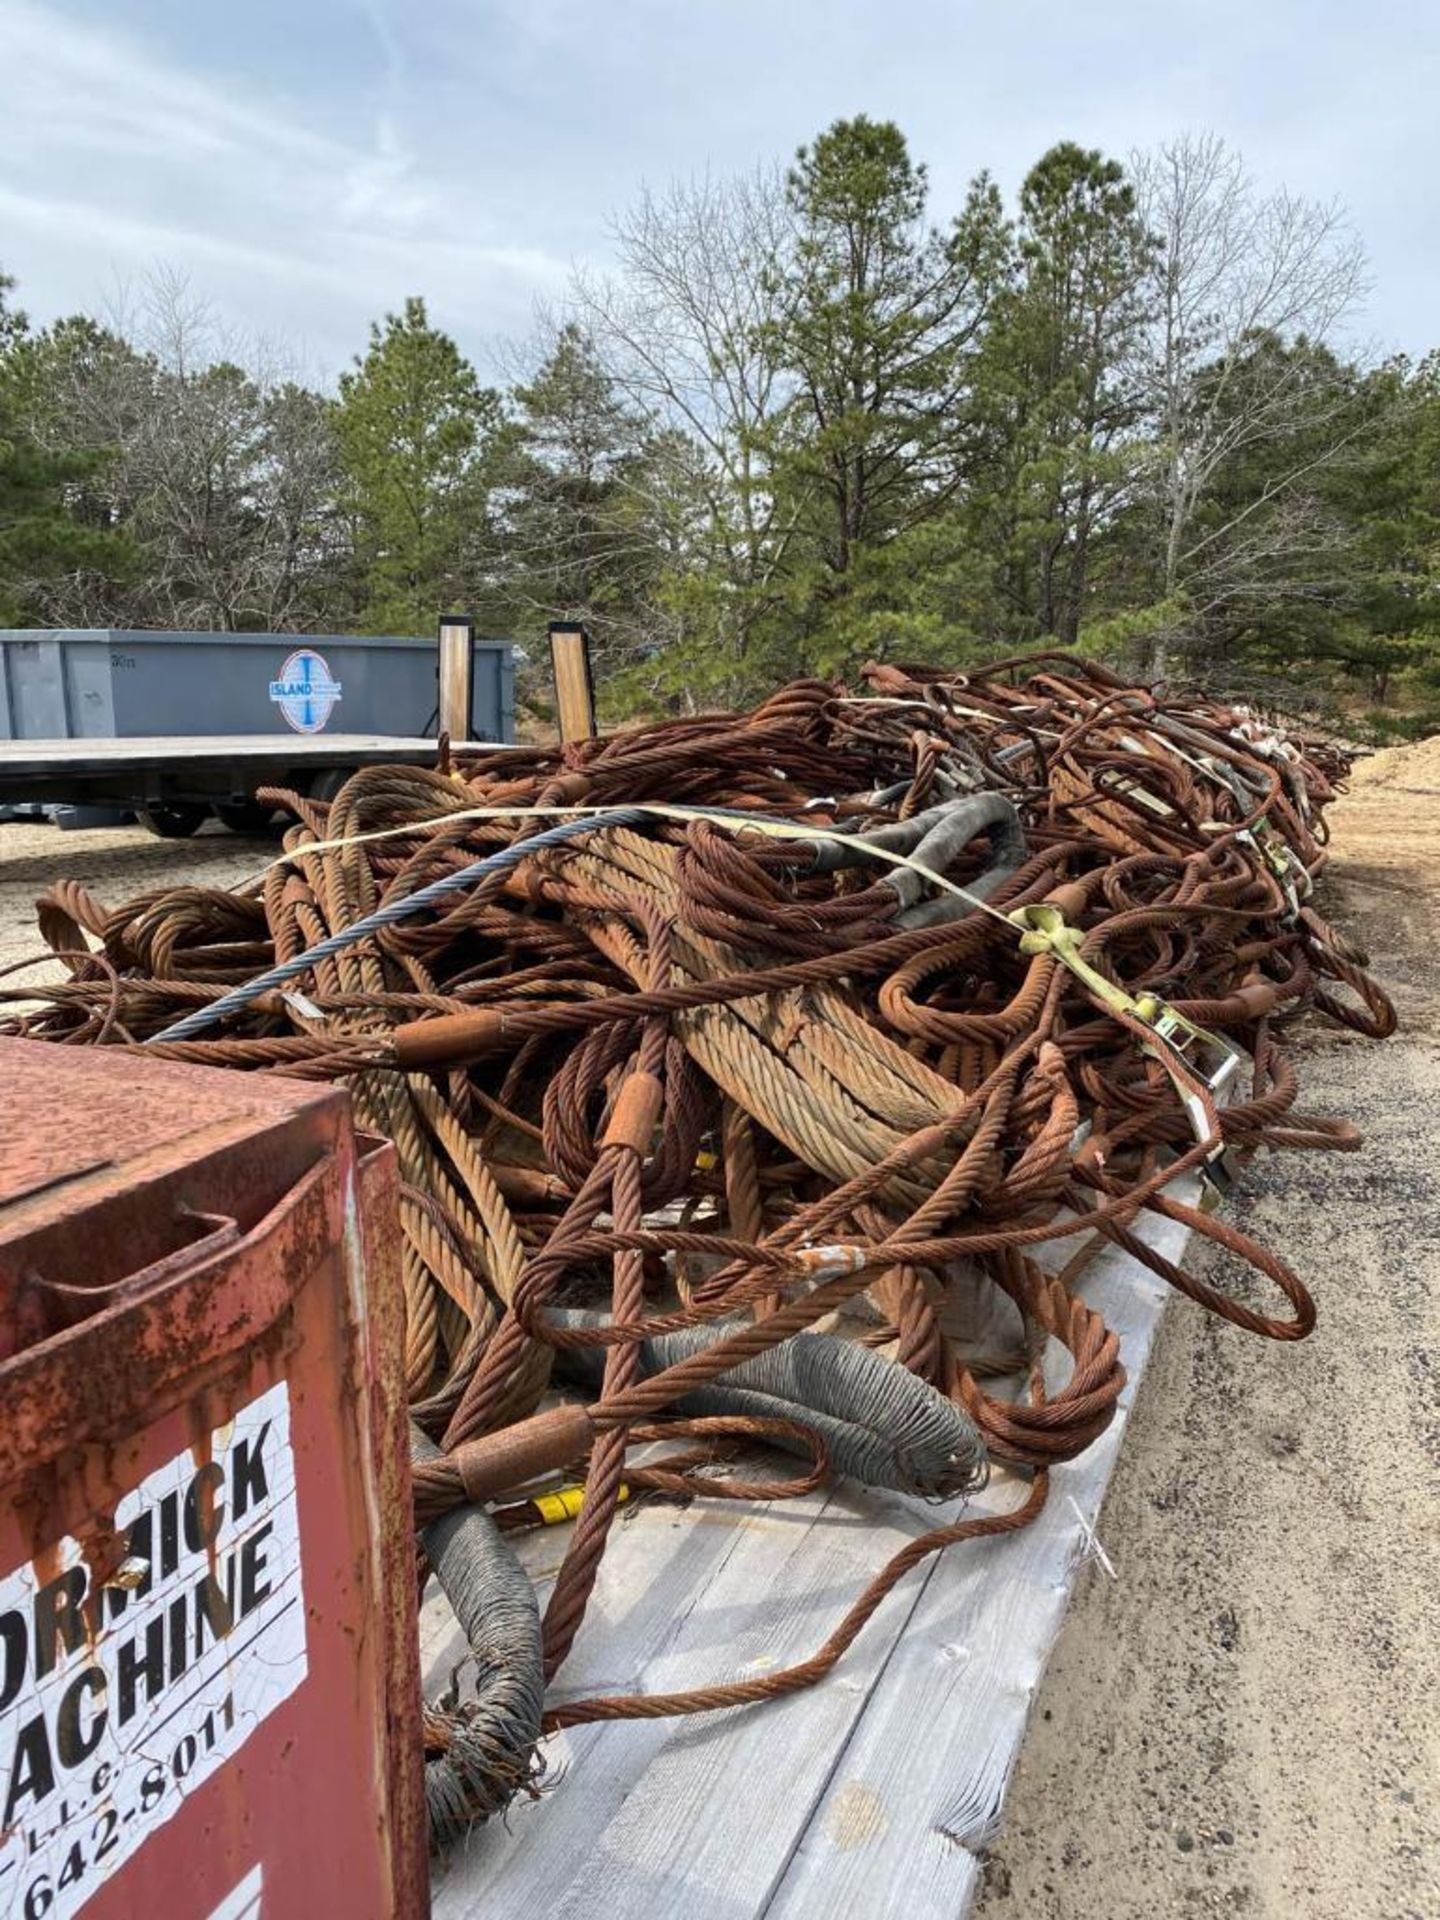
(247, 817)
(326, 785)
(174, 822)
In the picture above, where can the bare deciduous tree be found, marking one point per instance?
(1233, 269)
(686, 328)
(220, 467)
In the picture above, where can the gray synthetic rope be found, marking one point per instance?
(932, 840)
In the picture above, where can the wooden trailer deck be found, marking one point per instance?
(870, 1794)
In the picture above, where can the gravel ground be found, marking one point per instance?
(1244, 1721)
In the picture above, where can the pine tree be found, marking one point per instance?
(43, 541)
(580, 491)
(880, 319)
(1053, 390)
(418, 438)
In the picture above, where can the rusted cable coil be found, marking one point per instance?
(870, 1015)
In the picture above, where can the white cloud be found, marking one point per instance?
(62, 84)
(115, 160)
(467, 149)
(382, 186)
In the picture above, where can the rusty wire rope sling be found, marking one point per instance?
(750, 1090)
(386, 916)
(881, 1424)
(831, 855)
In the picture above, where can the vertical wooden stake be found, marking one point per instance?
(457, 648)
(574, 682)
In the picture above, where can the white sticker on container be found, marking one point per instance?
(115, 1705)
(243, 1902)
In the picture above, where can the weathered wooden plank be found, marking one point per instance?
(921, 1783)
(574, 684)
(868, 1793)
(456, 669)
(682, 1602)
(640, 1609)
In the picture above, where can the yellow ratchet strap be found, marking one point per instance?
(1287, 866)
(1176, 1042)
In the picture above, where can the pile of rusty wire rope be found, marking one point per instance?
(858, 1017)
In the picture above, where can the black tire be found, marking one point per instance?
(174, 822)
(326, 785)
(249, 818)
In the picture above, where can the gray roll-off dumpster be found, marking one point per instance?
(174, 723)
(106, 683)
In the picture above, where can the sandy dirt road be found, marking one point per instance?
(1244, 1722)
(1247, 1720)
(115, 863)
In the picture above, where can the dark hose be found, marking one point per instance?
(490, 1745)
(882, 1424)
(936, 839)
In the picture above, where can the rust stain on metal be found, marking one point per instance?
(195, 1320)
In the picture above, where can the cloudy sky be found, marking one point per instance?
(307, 163)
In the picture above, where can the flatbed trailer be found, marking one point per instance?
(172, 781)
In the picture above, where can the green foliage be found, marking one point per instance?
(877, 320)
(1052, 390)
(1388, 499)
(808, 424)
(44, 536)
(419, 438)
(39, 538)
(1127, 636)
(220, 484)
(584, 488)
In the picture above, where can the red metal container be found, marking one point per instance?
(209, 1695)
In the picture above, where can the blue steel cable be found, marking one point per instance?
(392, 911)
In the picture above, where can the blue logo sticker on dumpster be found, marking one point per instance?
(306, 691)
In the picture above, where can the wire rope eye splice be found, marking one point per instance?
(1193, 1056)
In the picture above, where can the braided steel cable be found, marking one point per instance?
(867, 1015)
(466, 879)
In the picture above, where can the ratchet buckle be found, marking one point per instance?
(1187, 1051)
